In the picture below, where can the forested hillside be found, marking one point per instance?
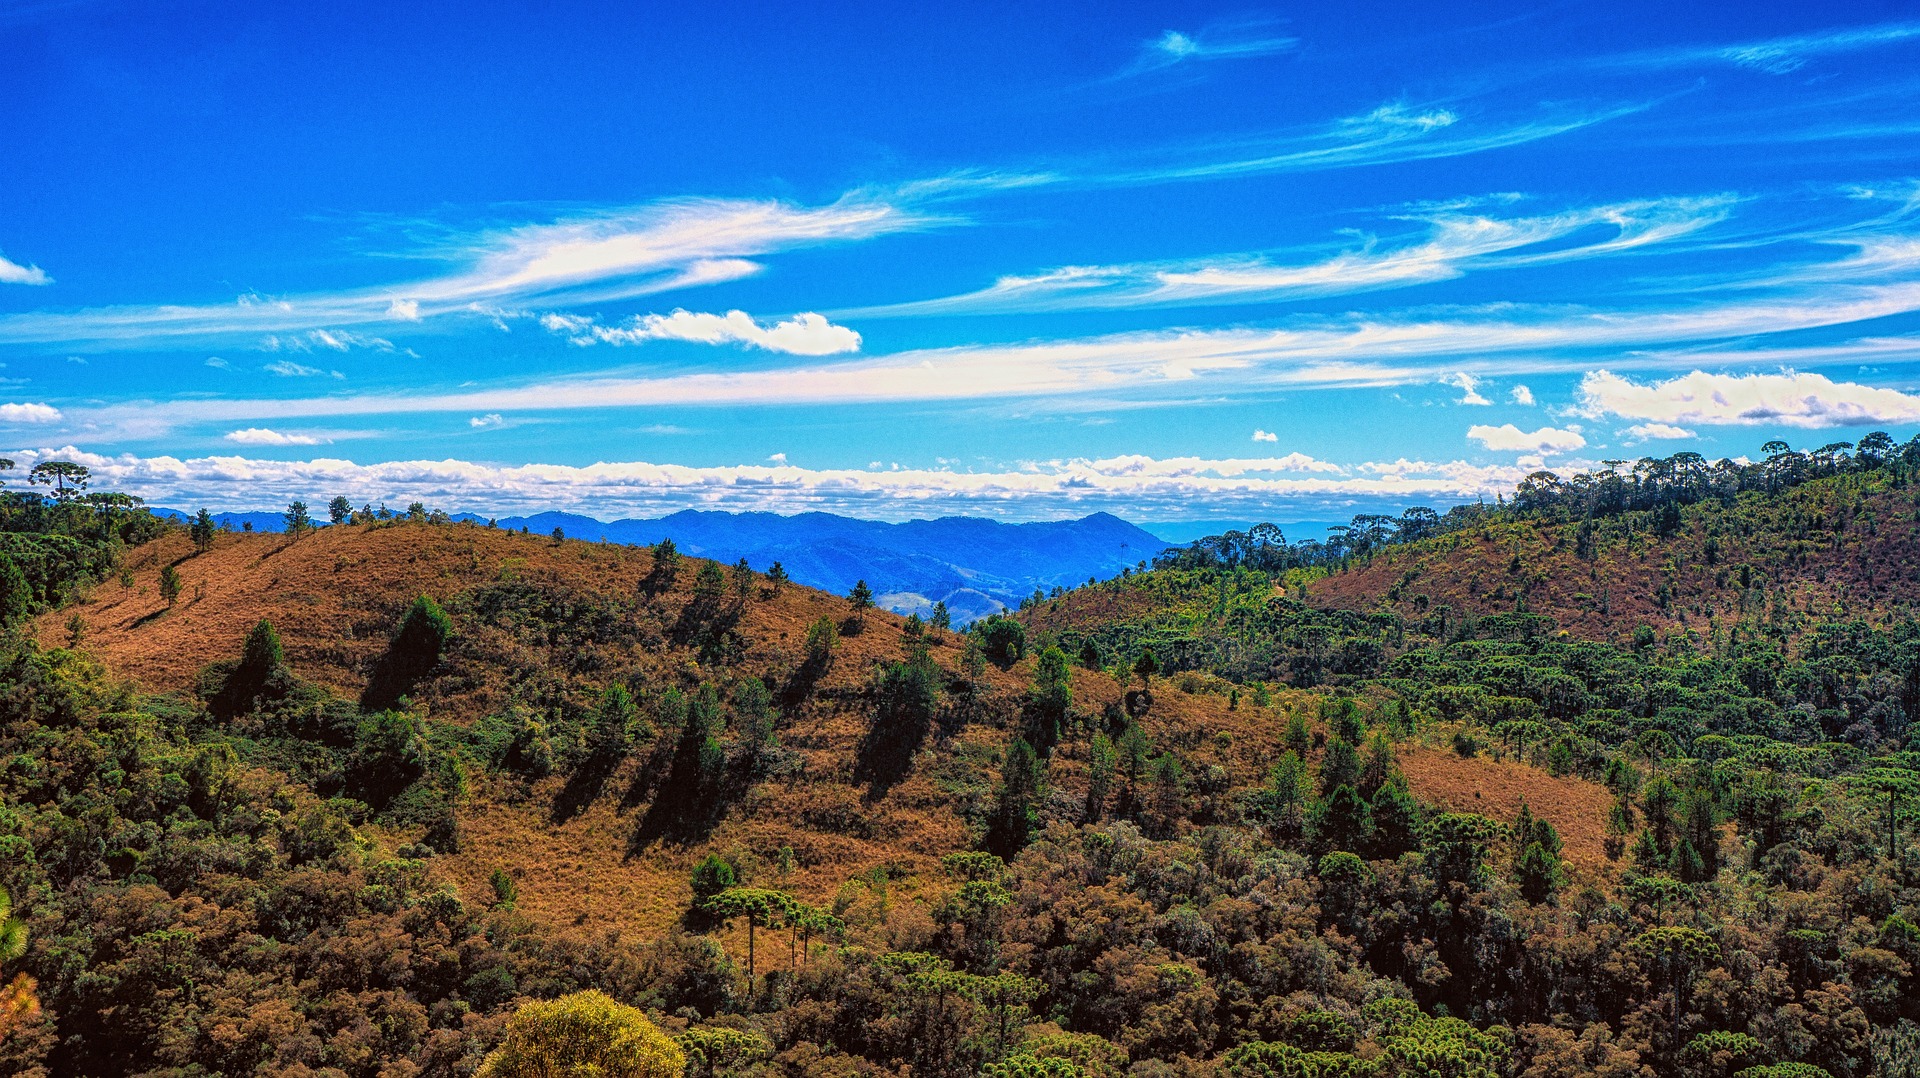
(357, 801)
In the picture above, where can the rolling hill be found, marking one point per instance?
(976, 566)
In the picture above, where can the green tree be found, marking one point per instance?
(742, 579)
(1169, 792)
(1090, 657)
(66, 478)
(339, 510)
(776, 577)
(1340, 820)
(758, 906)
(1657, 804)
(583, 1034)
(412, 653)
(1145, 667)
(753, 718)
(941, 618)
(262, 654)
(16, 595)
(1298, 737)
(1396, 820)
(666, 564)
(1101, 761)
(1052, 694)
(169, 585)
(712, 875)
(201, 531)
(823, 636)
(505, 891)
(861, 597)
(1016, 803)
(1673, 954)
(296, 517)
(1456, 846)
(1340, 766)
(1003, 639)
(615, 723)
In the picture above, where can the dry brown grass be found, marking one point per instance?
(1494, 788)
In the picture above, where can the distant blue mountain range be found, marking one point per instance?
(975, 566)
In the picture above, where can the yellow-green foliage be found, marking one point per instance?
(584, 1035)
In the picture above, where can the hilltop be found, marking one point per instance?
(975, 566)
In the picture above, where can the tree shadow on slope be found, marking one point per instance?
(908, 698)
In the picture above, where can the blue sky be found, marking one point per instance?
(1161, 260)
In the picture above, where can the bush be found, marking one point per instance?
(586, 1033)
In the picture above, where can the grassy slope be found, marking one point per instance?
(1843, 543)
(335, 594)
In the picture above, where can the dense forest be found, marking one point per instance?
(1235, 813)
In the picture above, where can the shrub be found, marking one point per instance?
(586, 1033)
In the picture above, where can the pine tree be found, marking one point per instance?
(296, 517)
(1169, 792)
(339, 510)
(861, 597)
(1340, 766)
(1377, 767)
(1102, 758)
(1340, 820)
(169, 585)
(1396, 819)
(1090, 658)
(1298, 738)
(1015, 804)
(201, 531)
(1657, 803)
(776, 577)
(941, 618)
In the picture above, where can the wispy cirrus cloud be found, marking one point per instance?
(588, 258)
(1459, 347)
(1453, 242)
(1230, 41)
(806, 334)
(1398, 131)
(1777, 55)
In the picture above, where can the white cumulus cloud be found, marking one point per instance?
(1508, 438)
(1030, 490)
(1645, 432)
(1788, 398)
(1521, 395)
(29, 413)
(1468, 385)
(1265, 436)
(491, 419)
(15, 273)
(265, 436)
(805, 334)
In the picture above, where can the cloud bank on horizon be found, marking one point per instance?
(1043, 268)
